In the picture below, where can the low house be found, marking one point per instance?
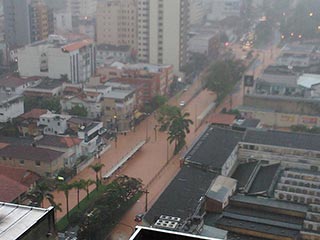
(70, 145)
(16, 85)
(47, 88)
(28, 122)
(43, 161)
(53, 124)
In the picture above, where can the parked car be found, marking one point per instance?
(182, 103)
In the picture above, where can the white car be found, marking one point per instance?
(182, 103)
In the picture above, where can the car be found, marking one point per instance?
(139, 217)
(182, 103)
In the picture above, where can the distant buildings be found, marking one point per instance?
(220, 9)
(58, 58)
(27, 21)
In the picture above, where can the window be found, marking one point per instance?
(21, 162)
(37, 163)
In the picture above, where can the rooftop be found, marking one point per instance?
(264, 178)
(271, 203)
(30, 153)
(147, 233)
(19, 175)
(283, 139)
(257, 227)
(222, 119)
(308, 80)
(279, 79)
(301, 48)
(48, 84)
(214, 147)
(33, 114)
(243, 173)
(182, 196)
(221, 188)
(250, 123)
(10, 190)
(17, 219)
(119, 94)
(57, 141)
(12, 81)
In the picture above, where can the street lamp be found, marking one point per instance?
(311, 14)
(155, 132)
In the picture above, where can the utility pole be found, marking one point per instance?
(155, 132)
(146, 205)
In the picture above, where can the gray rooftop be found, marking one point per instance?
(301, 48)
(214, 147)
(271, 203)
(15, 219)
(289, 80)
(119, 94)
(283, 139)
(182, 196)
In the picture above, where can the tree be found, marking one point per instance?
(223, 75)
(88, 183)
(65, 188)
(97, 169)
(41, 191)
(79, 111)
(176, 124)
(79, 185)
(51, 104)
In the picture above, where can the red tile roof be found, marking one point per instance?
(20, 175)
(77, 45)
(223, 119)
(57, 141)
(34, 113)
(12, 81)
(10, 189)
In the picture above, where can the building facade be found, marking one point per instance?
(26, 21)
(162, 32)
(58, 58)
(117, 22)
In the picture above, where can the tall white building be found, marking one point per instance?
(58, 58)
(162, 32)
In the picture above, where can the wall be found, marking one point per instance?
(14, 109)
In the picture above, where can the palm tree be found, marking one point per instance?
(97, 168)
(177, 124)
(79, 185)
(41, 192)
(88, 183)
(65, 188)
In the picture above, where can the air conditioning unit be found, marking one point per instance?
(169, 218)
(164, 224)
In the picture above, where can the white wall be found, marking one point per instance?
(11, 111)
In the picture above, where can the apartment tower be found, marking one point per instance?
(117, 22)
(162, 32)
(26, 21)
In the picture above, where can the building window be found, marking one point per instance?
(37, 163)
(21, 162)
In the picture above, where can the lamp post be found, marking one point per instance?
(147, 126)
(146, 204)
(155, 132)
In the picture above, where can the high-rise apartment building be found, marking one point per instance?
(26, 21)
(167, 34)
(82, 8)
(157, 29)
(117, 22)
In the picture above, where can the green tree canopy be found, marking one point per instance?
(79, 111)
(51, 104)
